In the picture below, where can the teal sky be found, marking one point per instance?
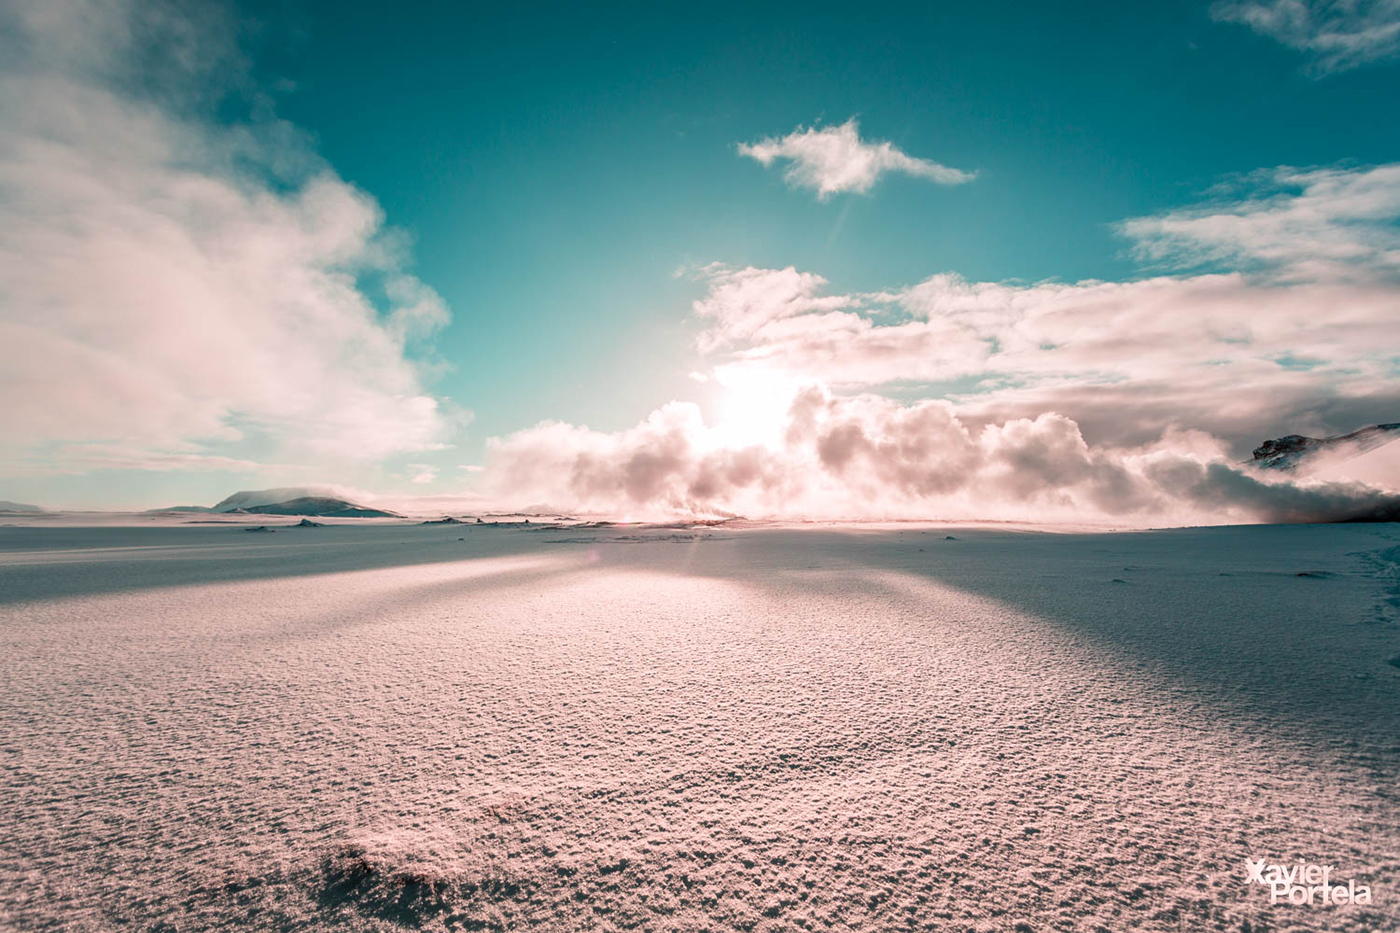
(553, 169)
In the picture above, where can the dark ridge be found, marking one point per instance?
(320, 506)
(1285, 453)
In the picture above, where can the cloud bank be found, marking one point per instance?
(1220, 352)
(1337, 35)
(1299, 337)
(870, 457)
(834, 159)
(177, 291)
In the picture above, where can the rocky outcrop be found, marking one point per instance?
(1293, 450)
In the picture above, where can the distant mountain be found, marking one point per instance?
(319, 501)
(18, 507)
(320, 506)
(1291, 451)
(248, 498)
(181, 508)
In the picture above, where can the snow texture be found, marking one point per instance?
(384, 727)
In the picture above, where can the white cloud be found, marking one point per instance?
(1305, 340)
(1220, 352)
(1337, 34)
(178, 289)
(835, 159)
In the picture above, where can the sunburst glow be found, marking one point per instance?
(754, 407)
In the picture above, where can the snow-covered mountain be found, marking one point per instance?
(322, 506)
(251, 498)
(320, 501)
(1299, 453)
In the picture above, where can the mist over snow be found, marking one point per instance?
(867, 456)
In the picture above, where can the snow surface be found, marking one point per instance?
(384, 726)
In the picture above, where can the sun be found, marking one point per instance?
(754, 407)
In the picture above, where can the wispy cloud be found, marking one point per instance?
(174, 284)
(1337, 35)
(81, 458)
(741, 302)
(835, 159)
(1297, 224)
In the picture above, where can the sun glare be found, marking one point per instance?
(754, 408)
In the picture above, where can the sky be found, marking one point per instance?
(961, 260)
